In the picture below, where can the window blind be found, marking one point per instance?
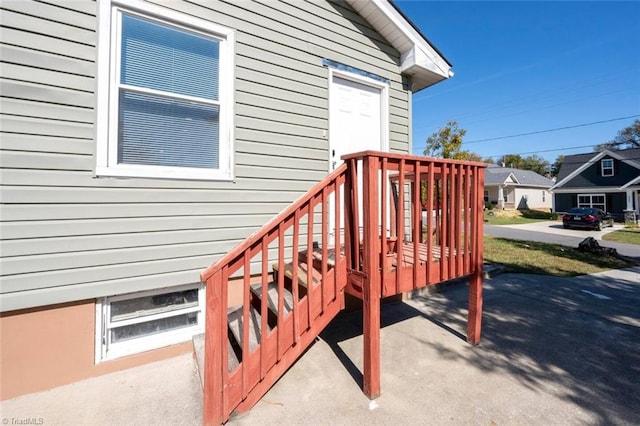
(168, 130)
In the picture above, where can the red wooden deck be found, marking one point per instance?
(432, 206)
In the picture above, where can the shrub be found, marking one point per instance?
(490, 206)
(631, 225)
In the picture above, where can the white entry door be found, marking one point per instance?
(357, 121)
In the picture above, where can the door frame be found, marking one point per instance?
(359, 77)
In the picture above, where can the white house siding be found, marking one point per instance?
(533, 197)
(66, 235)
(515, 196)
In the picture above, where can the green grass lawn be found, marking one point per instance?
(626, 235)
(514, 217)
(547, 259)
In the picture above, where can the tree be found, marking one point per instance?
(555, 167)
(469, 156)
(536, 164)
(512, 160)
(533, 162)
(447, 143)
(629, 137)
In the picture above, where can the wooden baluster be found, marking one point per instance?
(444, 217)
(431, 188)
(264, 249)
(384, 182)
(294, 275)
(246, 308)
(348, 222)
(455, 216)
(355, 214)
(468, 206)
(416, 225)
(326, 296)
(337, 235)
(281, 267)
(400, 226)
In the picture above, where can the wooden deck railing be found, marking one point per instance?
(379, 225)
(263, 263)
(422, 225)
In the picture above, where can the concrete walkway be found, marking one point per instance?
(554, 351)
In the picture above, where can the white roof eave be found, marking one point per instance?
(418, 57)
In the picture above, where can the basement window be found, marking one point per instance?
(139, 322)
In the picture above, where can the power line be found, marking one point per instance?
(537, 152)
(552, 130)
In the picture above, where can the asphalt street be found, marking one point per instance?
(553, 232)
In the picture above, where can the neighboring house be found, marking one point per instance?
(509, 188)
(141, 141)
(608, 180)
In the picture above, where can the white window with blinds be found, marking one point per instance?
(165, 94)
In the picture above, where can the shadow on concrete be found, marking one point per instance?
(577, 338)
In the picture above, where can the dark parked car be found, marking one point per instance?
(582, 217)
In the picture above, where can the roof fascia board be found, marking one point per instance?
(631, 182)
(418, 57)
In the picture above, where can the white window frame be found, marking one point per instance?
(109, 12)
(590, 204)
(106, 351)
(608, 169)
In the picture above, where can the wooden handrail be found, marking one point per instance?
(273, 223)
(275, 321)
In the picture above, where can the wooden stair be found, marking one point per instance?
(373, 202)
(235, 313)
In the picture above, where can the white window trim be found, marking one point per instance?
(106, 352)
(106, 130)
(603, 168)
(604, 204)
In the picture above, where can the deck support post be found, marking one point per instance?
(474, 324)
(372, 285)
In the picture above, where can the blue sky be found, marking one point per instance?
(523, 67)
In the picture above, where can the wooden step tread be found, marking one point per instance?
(234, 316)
(272, 297)
(302, 273)
(317, 256)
